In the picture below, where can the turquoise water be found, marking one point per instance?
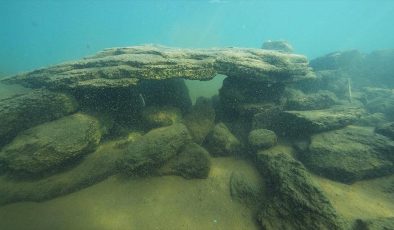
(279, 140)
(36, 33)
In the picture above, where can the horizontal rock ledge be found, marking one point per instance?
(123, 67)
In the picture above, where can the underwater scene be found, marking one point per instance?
(209, 114)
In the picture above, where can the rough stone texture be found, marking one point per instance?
(373, 69)
(154, 149)
(24, 111)
(192, 162)
(221, 142)
(49, 146)
(294, 200)
(350, 154)
(262, 139)
(7, 91)
(281, 46)
(154, 116)
(245, 190)
(266, 117)
(296, 123)
(386, 130)
(379, 64)
(297, 100)
(370, 93)
(349, 59)
(372, 119)
(93, 168)
(378, 100)
(383, 105)
(238, 95)
(335, 81)
(116, 67)
(201, 120)
(170, 92)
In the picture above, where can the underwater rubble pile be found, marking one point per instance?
(127, 111)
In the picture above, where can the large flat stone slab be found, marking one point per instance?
(300, 123)
(122, 67)
(350, 154)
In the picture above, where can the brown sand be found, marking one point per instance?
(364, 199)
(168, 202)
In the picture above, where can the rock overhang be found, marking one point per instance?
(126, 66)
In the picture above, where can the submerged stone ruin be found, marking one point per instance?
(127, 111)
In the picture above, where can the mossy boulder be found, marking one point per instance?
(245, 190)
(193, 161)
(26, 110)
(92, 169)
(154, 116)
(221, 142)
(52, 145)
(350, 154)
(262, 139)
(154, 149)
(201, 119)
(294, 201)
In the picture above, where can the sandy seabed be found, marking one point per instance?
(167, 202)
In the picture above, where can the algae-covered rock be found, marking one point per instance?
(50, 146)
(154, 116)
(237, 92)
(347, 60)
(201, 119)
(126, 66)
(245, 190)
(313, 121)
(8, 91)
(221, 142)
(350, 154)
(335, 81)
(91, 169)
(154, 149)
(24, 111)
(373, 69)
(262, 139)
(281, 46)
(379, 64)
(192, 162)
(266, 117)
(372, 119)
(297, 100)
(383, 105)
(386, 130)
(294, 201)
(169, 92)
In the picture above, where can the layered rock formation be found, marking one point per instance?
(124, 67)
